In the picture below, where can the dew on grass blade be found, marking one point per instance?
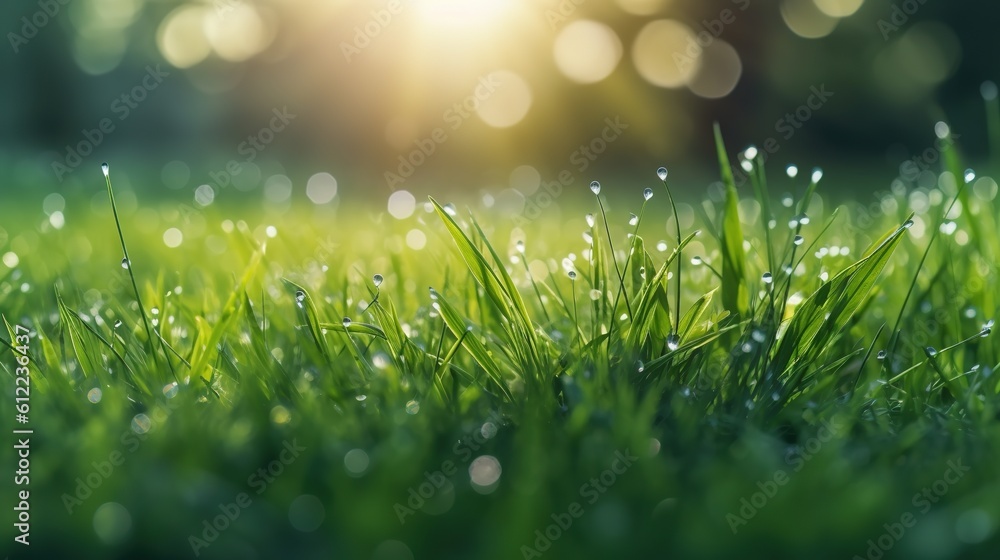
(141, 423)
(300, 296)
(125, 264)
(792, 171)
(662, 173)
(519, 246)
(673, 341)
(930, 351)
(361, 398)
(170, 390)
(587, 238)
(347, 322)
(105, 169)
(798, 240)
(94, 395)
(881, 355)
(118, 323)
(907, 224)
(632, 219)
(571, 274)
(377, 280)
(647, 194)
(747, 165)
(596, 187)
(696, 260)
(750, 153)
(970, 175)
(767, 278)
(817, 174)
(412, 407)
(595, 295)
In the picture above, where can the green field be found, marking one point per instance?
(754, 374)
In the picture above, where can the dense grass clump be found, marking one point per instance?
(781, 376)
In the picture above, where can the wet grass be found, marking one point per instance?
(775, 375)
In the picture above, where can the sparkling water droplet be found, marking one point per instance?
(985, 332)
(642, 271)
(758, 336)
(450, 209)
(751, 152)
(587, 238)
(94, 395)
(105, 168)
(632, 219)
(881, 355)
(948, 227)
(118, 323)
(590, 220)
(647, 194)
(970, 175)
(817, 174)
(696, 260)
(642, 366)
(170, 390)
(347, 322)
(767, 278)
(907, 224)
(747, 165)
(803, 219)
(519, 246)
(571, 274)
(377, 280)
(141, 423)
(125, 264)
(360, 398)
(596, 187)
(673, 341)
(662, 173)
(792, 171)
(300, 296)
(798, 240)
(595, 295)
(930, 351)
(412, 407)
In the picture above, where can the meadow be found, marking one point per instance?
(769, 370)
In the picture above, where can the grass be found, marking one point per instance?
(830, 360)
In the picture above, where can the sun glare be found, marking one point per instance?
(466, 14)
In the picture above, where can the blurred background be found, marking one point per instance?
(327, 99)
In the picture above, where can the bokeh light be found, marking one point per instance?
(666, 53)
(587, 51)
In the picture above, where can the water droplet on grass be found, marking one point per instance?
(767, 278)
(750, 153)
(360, 398)
(94, 395)
(141, 423)
(590, 220)
(907, 224)
(792, 171)
(817, 174)
(930, 351)
(798, 240)
(662, 173)
(632, 219)
(647, 194)
(118, 323)
(347, 322)
(519, 246)
(170, 390)
(412, 407)
(105, 168)
(596, 187)
(595, 295)
(881, 355)
(696, 260)
(587, 238)
(673, 341)
(970, 175)
(300, 296)
(571, 274)
(125, 264)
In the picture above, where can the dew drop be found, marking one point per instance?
(647, 194)
(94, 395)
(590, 220)
(125, 264)
(696, 260)
(360, 398)
(141, 423)
(798, 240)
(595, 295)
(970, 175)
(758, 336)
(412, 407)
(347, 322)
(519, 246)
(662, 173)
(673, 341)
(300, 296)
(985, 332)
(747, 165)
(817, 174)
(930, 351)
(767, 278)
(170, 390)
(881, 355)
(750, 153)
(587, 238)
(105, 168)
(118, 323)
(907, 224)
(792, 171)
(596, 187)
(632, 219)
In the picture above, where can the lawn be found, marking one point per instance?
(771, 370)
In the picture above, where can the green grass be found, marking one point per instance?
(720, 343)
